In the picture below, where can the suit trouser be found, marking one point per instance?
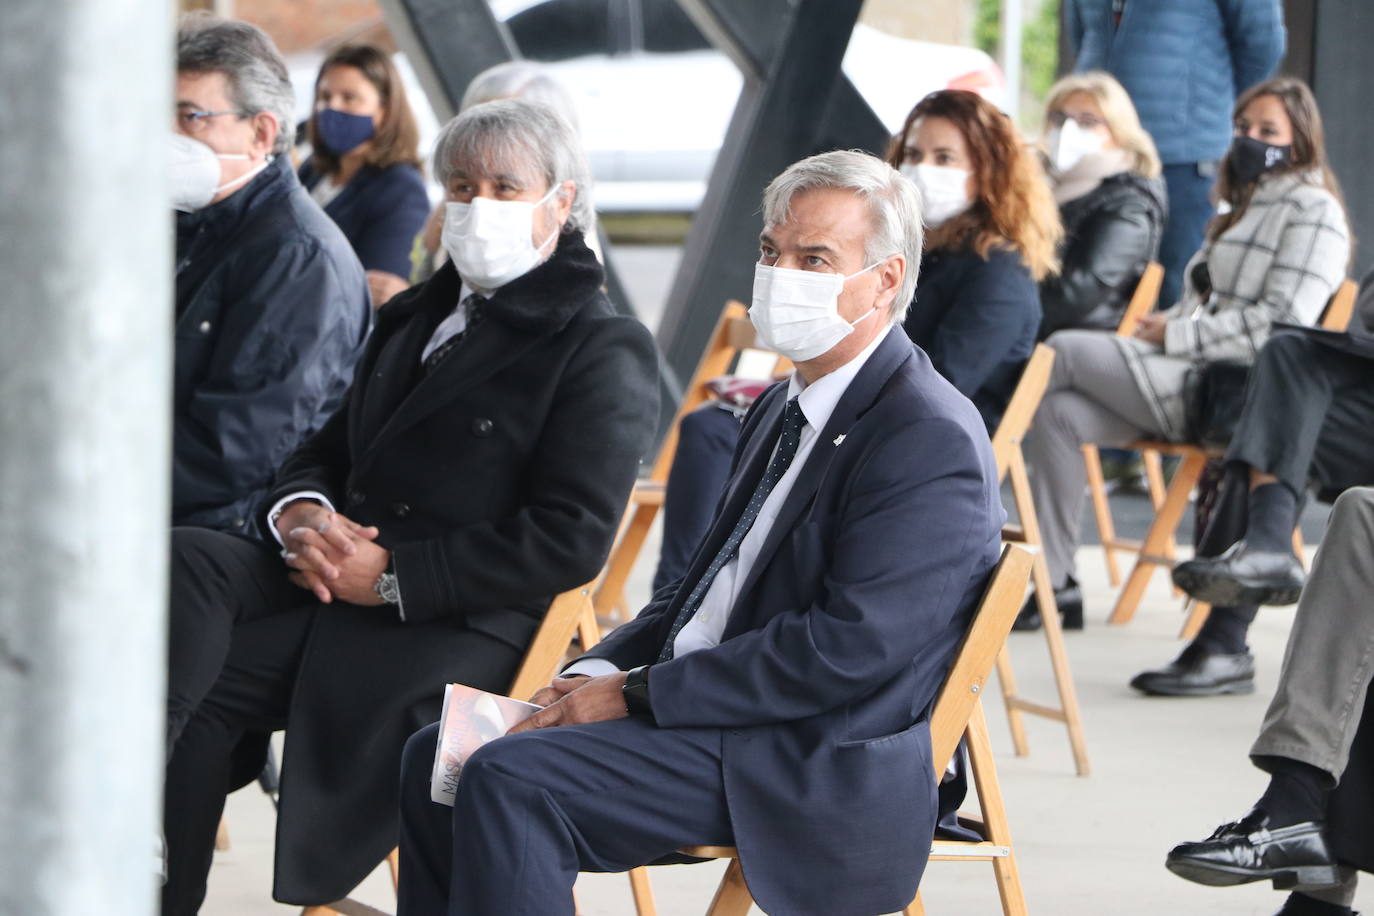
(534, 809)
(1329, 662)
(1092, 398)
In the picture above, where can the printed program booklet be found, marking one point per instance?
(470, 719)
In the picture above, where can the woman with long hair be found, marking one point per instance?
(1104, 174)
(1275, 252)
(364, 167)
(992, 232)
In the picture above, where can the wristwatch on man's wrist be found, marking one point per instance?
(636, 692)
(386, 587)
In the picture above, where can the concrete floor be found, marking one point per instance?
(1164, 770)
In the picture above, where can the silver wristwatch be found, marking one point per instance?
(387, 589)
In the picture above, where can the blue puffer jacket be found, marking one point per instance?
(1182, 61)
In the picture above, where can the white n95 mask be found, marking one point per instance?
(797, 312)
(194, 172)
(943, 191)
(1069, 143)
(489, 240)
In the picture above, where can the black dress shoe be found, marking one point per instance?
(1242, 576)
(1199, 673)
(1293, 857)
(1069, 600)
(1302, 905)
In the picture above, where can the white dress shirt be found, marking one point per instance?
(817, 402)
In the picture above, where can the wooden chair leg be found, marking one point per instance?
(915, 907)
(588, 630)
(610, 596)
(641, 891)
(732, 896)
(222, 835)
(1016, 722)
(998, 830)
(1299, 546)
(1198, 612)
(320, 911)
(1068, 711)
(1154, 551)
(1106, 528)
(393, 861)
(1154, 480)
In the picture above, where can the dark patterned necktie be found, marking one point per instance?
(788, 440)
(473, 304)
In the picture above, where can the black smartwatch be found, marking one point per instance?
(636, 692)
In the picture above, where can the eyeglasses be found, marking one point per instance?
(1085, 120)
(194, 122)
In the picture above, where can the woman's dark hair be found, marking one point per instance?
(1308, 155)
(1011, 199)
(397, 138)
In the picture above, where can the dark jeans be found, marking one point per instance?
(1308, 416)
(534, 809)
(1189, 210)
(706, 442)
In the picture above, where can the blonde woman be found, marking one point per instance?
(1104, 173)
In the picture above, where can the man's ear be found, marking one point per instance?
(266, 127)
(890, 274)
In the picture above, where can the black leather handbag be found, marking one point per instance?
(1214, 394)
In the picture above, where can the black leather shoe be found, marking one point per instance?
(1242, 576)
(1199, 673)
(1068, 599)
(1295, 857)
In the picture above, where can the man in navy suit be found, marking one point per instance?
(776, 697)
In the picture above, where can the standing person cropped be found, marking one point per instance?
(1184, 63)
(365, 165)
(993, 232)
(1276, 255)
(271, 304)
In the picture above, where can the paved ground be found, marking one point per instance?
(1163, 770)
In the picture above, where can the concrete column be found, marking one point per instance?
(85, 337)
(1012, 18)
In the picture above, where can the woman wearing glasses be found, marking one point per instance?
(365, 166)
(1104, 173)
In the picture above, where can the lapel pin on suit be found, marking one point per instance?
(839, 438)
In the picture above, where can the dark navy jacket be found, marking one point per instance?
(1182, 61)
(380, 212)
(977, 319)
(271, 313)
(843, 631)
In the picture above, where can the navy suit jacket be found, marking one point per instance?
(843, 631)
(380, 212)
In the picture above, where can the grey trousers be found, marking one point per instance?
(1092, 398)
(1329, 661)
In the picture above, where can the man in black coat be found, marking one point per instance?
(479, 466)
(1310, 829)
(271, 303)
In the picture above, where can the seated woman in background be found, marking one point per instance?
(1276, 252)
(992, 234)
(1104, 173)
(364, 168)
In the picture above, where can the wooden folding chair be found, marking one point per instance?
(958, 713)
(571, 612)
(1011, 464)
(734, 333)
(1153, 551)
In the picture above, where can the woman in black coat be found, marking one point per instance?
(1105, 175)
(992, 235)
(364, 169)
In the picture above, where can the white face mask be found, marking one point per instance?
(943, 190)
(195, 173)
(489, 240)
(797, 312)
(1070, 143)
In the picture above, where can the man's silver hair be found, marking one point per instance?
(520, 79)
(893, 201)
(257, 75)
(517, 136)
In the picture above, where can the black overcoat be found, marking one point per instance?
(497, 481)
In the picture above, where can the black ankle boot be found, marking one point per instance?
(1069, 599)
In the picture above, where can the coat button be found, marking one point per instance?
(356, 497)
(205, 327)
(482, 427)
(401, 509)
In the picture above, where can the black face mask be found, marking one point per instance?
(1251, 158)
